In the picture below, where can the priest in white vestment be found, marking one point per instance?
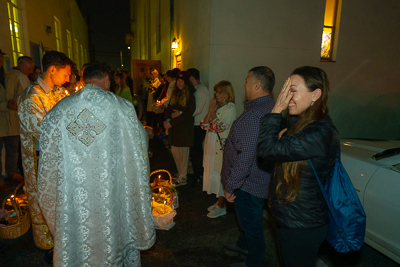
(93, 184)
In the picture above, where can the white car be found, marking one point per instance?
(374, 169)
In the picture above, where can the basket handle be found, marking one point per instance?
(157, 171)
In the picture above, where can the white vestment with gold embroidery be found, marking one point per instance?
(93, 183)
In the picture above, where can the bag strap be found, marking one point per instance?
(220, 141)
(330, 206)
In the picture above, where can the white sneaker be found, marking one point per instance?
(182, 181)
(216, 212)
(212, 206)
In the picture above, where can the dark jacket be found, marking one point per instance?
(318, 141)
(182, 130)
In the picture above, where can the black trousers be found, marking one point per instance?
(299, 247)
(196, 152)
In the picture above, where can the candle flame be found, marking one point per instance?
(12, 195)
(66, 92)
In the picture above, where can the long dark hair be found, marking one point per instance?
(289, 172)
(181, 96)
(122, 82)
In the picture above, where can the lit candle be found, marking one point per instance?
(152, 200)
(14, 204)
(164, 206)
(159, 189)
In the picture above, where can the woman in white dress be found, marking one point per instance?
(217, 123)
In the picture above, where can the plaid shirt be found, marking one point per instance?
(240, 169)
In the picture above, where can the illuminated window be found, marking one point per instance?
(14, 18)
(69, 44)
(77, 53)
(331, 29)
(57, 31)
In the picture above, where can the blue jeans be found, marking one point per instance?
(249, 215)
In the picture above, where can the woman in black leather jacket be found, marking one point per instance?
(297, 203)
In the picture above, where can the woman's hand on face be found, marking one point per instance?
(284, 97)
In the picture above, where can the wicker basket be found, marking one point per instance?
(18, 226)
(158, 182)
(164, 220)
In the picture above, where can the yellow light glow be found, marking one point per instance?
(326, 42)
(330, 12)
(174, 44)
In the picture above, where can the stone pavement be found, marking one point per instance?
(195, 240)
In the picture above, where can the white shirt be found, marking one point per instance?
(23, 79)
(202, 102)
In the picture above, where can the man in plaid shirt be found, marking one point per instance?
(244, 182)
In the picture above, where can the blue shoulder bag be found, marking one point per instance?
(347, 218)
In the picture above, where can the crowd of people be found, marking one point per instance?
(86, 153)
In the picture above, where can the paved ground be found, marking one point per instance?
(195, 240)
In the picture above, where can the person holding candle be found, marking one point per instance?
(33, 104)
(181, 128)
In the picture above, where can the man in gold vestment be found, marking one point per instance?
(33, 104)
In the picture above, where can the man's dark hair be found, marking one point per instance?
(85, 65)
(56, 59)
(175, 72)
(95, 70)
(265, 76)
(195, 73)
(168, 73)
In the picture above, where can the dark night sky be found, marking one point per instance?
(109, 22)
